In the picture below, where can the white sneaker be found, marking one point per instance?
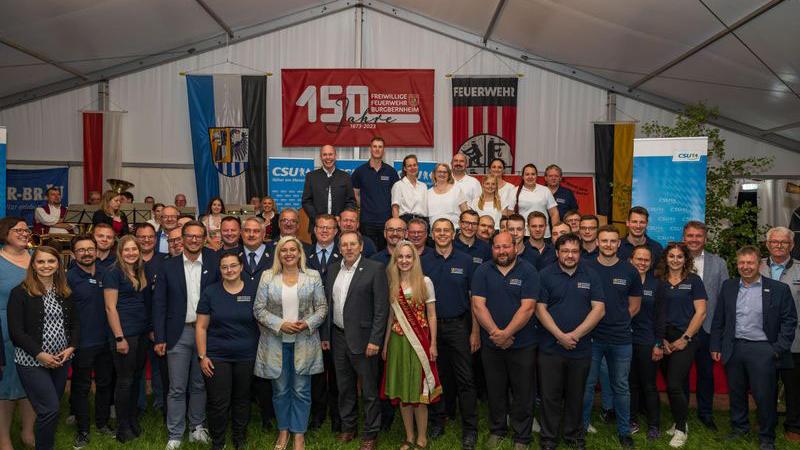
(70, 419)
(200, 435)
(678, 439)
(591, 429)
(671, 431)
(536, 428)
(173, 444)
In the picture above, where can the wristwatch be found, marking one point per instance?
(201, 357)
(687, 338)
(119, 338)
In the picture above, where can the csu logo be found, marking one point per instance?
(685, 156)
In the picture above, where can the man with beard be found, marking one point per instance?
(230, 228)
(571, 306)
(469, 185)
(175, 241)
(612, 340)
(637, 235)
(93, 353)
(104, 237)
(504, 293)
(393, 232)
(486, 229)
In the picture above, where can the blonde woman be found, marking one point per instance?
(109, 213)
(445, 198)
(409, 349)
(290, 306)
(489, 203)
(505, 190)
(123, 291)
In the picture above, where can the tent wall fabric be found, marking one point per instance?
(554, 112)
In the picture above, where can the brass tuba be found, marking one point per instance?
(119, 186)
(792, 188)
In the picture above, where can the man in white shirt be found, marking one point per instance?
(469, 185)
(358, 297)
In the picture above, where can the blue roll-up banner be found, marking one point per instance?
(349, 165)
(425, 171)
(669, 179)
(286, 179)
(3, 152)
(26, 189)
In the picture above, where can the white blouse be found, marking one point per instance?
(537, 199)
(487, 210)
(410, 198)
(445, 205)
(291, 307)
(508, 195)
(470, 186)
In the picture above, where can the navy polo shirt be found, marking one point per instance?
(452, 277)
(130, 302)
(537, 259)
(620, 282)
(590, 255)
(232, 330)
(566, 201)
(108, 262)
(375, 192)
(479, 251)
(87, 293)
(644, 323)
(569, 301)
(626, 249)
(382, 257)
(678, 299)
(504, 296)
(369, 247)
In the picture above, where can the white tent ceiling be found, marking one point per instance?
(751, 73)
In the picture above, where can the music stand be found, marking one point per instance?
(136, 212)
(245, 210)
(80, 214)
(188, 211)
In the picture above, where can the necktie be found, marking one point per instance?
(322, 257)
(252, 262)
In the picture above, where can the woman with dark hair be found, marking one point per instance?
(646, 351)
(531, 197)
(109, 213)
(44, 327)
(409, 195)
(213, 215)
(123, 290)
(15, 258)
(681, 300)
(505, 190)
(227, 338)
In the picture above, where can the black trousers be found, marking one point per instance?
(129, 369)
(644, 394)
(753, 366)
(513, 368)
(374, 231)
(228, 395)
(349, 367)
(704, 366)
(324, 395)
(44, 388)
(562, 382)
(455, 370)
(86, 360)
(262, 390)
(676, 371)
(791, 384)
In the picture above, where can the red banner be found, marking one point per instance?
(351, 106)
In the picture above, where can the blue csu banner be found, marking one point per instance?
(286, 179)
(425, 171)
(26, 189)
(3, 154)
(669, 179)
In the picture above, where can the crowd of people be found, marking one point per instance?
(408, 298)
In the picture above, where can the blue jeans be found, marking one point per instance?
(606, 396)
(291, 395)
(618, 357)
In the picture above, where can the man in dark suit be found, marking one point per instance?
(752, 334)
(358, 298)
(321, 256)
(175, 299)
(327, 190)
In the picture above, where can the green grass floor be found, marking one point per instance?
(154, 436)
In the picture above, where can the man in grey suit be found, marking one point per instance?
(327, 190)
(358, 298)
(713, 271)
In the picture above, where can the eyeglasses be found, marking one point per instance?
(145, 238)
(174, 240)
(193, 237)
(395, 230)
(779, 243)
(230, 267)
(464, 223)
(289, 220)
(587, 228)
(22, 231)
(84, 251)
(169, 216)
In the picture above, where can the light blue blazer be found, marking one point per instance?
(268, 310)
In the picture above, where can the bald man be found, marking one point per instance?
(327, 190)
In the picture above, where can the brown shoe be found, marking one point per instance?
(792, 436)
(368, 444)
(345, 437)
